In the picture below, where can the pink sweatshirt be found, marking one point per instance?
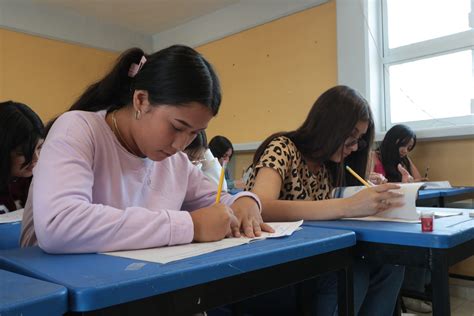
(91, 195)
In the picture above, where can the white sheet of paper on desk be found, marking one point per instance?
(11, 217)
(383, 219)
(173, 253)
(440, 212)
(407, 212)
(437, 185)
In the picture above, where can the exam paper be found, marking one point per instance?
(407, 212)
(11, 217)
(173, 253)
(436, 210)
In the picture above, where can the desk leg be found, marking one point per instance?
(440, 283)
(441, 201)
(345, 291)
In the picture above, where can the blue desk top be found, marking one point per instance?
(10, 235)
(456, 191)
(428, 194)
(21, 295)
(448, 231)
(434, 193)
(96, 281)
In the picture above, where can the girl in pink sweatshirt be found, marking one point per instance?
(112, 175)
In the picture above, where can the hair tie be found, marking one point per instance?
(135, 68)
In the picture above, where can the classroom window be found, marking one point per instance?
(427, 62)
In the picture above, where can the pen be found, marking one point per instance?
(426, 172)
(221, 182)
(358, 177)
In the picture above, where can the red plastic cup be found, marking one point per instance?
(427, 221)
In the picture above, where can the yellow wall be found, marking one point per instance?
(47, 75)
(451, 160)
(272, 74)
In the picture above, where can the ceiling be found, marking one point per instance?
(144, 16)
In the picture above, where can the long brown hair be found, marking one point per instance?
(329, 123)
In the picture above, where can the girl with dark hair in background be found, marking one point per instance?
(392, 161)
(294, 173)
(112, 175)
(21, 138)
(201, 156)
(221, 147)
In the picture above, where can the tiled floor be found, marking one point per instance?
(459, 307)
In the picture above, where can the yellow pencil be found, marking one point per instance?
(358, 177)
(221, 182)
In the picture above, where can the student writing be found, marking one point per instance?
(112, 175)
(391, 159)
(21, 138)
(294, 172)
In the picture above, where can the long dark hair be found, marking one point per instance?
(329, 123)
(20, 129)
(176, 75)
(219, 145)
(389, 151)
(197, 146)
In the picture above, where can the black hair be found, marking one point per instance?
(176, 76)
(389, 151)
(197, 146)
(200, 141)
(20, 129)
(219, 145)
(329, 123)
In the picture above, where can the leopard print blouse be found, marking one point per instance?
(298, 182)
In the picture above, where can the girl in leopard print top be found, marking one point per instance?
(294, 172)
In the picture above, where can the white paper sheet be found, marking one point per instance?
(437, 185)
(406, 212)
(437, 213)
(11, 217)
(173, 253)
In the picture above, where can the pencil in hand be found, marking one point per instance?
(358, 177)
(221, 182)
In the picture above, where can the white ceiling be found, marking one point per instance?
(150, 24)
(144, 16)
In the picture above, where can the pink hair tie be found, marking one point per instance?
(135, 68)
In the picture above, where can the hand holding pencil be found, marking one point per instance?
(374, 199)
(216, 221)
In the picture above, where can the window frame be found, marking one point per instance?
(361, 61)
(419, 51)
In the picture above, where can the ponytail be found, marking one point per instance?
(176, 76)
(112, 91)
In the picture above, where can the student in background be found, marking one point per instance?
(21, 138)
(201, 156)
(391, 159)
(112, 175)
(294, 173)
(221, 147)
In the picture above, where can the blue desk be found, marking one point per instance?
(21, 295)
(100, 282)
(10, 235)
(401, 243)
(441, 197)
